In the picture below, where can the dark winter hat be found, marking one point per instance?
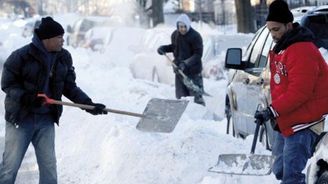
(49, 29)
(279, 12)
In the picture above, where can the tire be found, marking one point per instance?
(323, 178)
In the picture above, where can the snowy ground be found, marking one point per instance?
(109, 149)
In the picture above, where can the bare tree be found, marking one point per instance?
(154, 10)
(245, 16)
(157, 15)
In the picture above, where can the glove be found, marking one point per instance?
(175, 70)
(182, 66)
(99, 109)
(32, 100)
(264, 115)
(161, 50)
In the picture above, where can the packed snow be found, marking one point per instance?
(108, 149)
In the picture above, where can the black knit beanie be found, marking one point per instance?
(279, 12)
(49, 29)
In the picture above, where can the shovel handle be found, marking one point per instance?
(48, 100)
(175, 66)
(256, 133)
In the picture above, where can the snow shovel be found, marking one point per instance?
(187, 81)
(244, 164)
(160, 115)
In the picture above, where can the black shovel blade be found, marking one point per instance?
(161, 115)
(243, 164)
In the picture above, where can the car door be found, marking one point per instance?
(248, 83)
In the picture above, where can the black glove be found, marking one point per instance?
(32, 100)
(175, 70)
(264, 115)
(99, 109)
(161, 50)
(182, 66)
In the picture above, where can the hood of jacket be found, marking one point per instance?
(38, 44)
(297, 34)
(185, 20)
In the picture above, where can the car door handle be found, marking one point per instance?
(246, 81)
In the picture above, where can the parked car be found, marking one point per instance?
(159, 69)
(77, 31)
(97, 38)
(147, 63)
(248, 84)
(29, 27)
(301, 10)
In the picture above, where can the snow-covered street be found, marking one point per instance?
(109, 149)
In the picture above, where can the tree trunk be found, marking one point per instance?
(157, 12)
(245, 16)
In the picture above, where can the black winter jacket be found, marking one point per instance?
(187, 48)
(24, 71)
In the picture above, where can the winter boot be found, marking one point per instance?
(199, 100)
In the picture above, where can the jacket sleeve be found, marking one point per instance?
(197, 50)
(71, 90)
(11, 82)
(303, 71)
(170, 47)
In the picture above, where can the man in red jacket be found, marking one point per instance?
(299, 85)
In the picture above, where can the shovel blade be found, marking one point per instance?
(243, 164)
(161, 115)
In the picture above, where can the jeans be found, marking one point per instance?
(291, 154)
(38, 129)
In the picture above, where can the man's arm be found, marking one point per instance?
(71, 90)
(10, 79)
(197, 47)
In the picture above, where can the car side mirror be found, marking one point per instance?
(233, 59)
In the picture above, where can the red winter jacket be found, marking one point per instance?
(299, 85)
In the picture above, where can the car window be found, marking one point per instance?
(257, 49)
(265, 52)
(318, 24)
(86, 25)
(250, 46)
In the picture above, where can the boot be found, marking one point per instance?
(199, 100)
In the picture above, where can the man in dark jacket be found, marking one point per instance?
(187, 47)
(299, 84)
(41, 67)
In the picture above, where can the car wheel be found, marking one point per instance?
(154, 76)
(323, 178)
(228, 113)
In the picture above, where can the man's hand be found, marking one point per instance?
(175, 70)
(99, 109)
(161, 50)
(32, 100)
(264, 115)
(182, 66)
